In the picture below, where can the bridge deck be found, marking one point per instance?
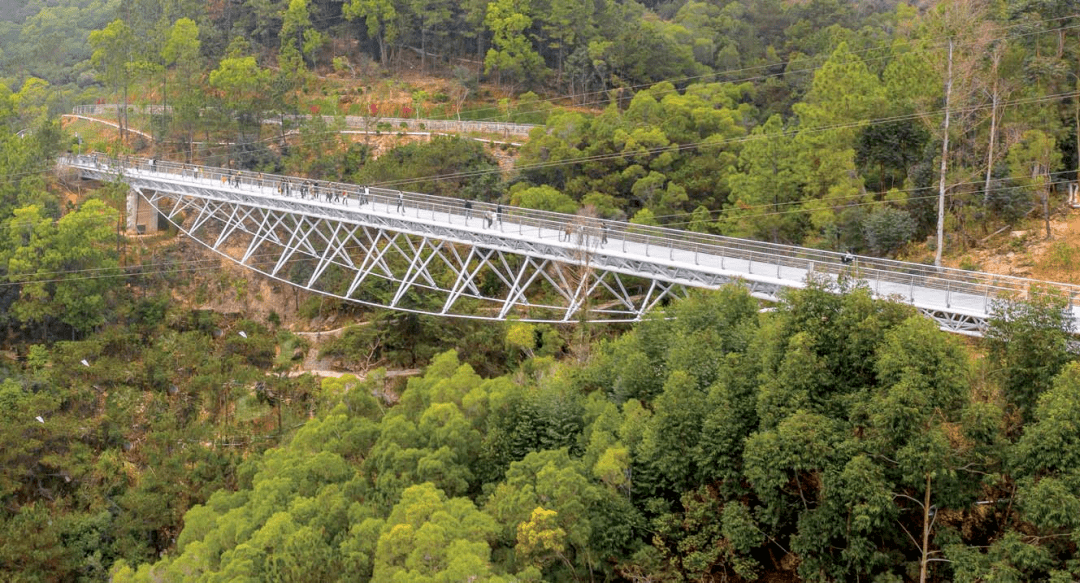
(961, 301)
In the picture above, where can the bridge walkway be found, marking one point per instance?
(960, 301)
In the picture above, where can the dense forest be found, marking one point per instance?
(845, 125)
(145, 437)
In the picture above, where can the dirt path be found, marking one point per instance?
(336, 332)
(323, 367)
(106, 122)
(405, 372)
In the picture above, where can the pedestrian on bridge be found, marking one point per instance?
(603, 233)
(400, 202)
(468, 211)
(364, 196)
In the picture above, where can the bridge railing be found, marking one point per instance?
(762, 258)
(914, 280)
(586, 234)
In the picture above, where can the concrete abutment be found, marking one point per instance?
(142, 216)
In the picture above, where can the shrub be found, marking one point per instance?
(886, 229)
(1061, 255)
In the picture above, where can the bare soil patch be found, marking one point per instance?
(1026, 252)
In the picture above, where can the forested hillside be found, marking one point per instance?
(861, 126)
(145, 436)
(711, 443)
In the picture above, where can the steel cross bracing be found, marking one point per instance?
(429, 254)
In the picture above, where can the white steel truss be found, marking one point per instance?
(426, 254)
(379, 265)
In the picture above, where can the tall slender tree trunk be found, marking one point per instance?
(995, 98)
(990, 150)
(558, 75)
(944, 162)
(124, 77)
(480, 55)
(925, 559)
(423, 52)
(1045, 186)
(164, 107)
(776, 203)
(123, 130)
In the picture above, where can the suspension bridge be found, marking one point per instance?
(427, 254)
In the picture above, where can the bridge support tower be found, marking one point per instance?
(142, 215)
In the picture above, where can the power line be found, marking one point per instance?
(849, 205)
(714, 143)
(201, 265)
(96, 271)
(723, 142)
(711, 143)
(874, 194)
